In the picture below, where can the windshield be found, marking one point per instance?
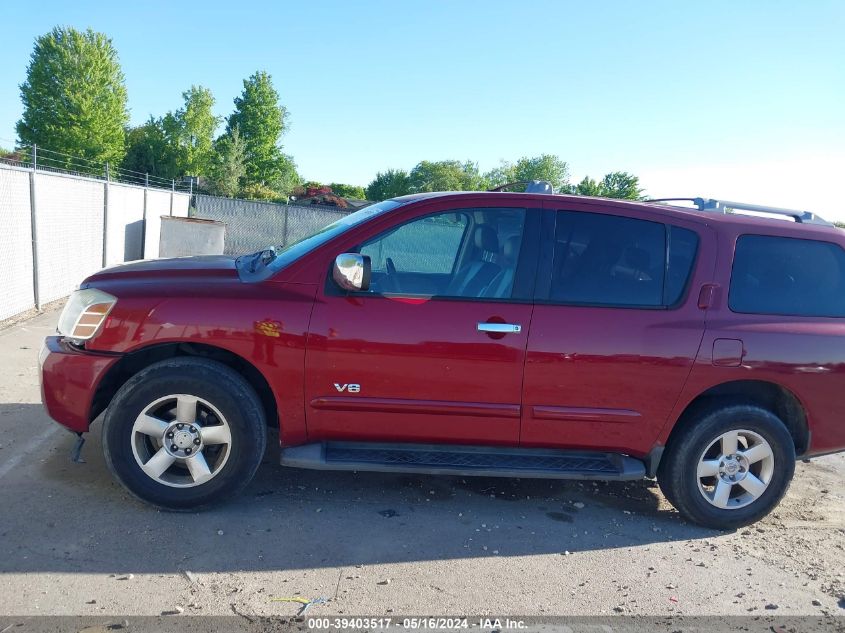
(274, 259)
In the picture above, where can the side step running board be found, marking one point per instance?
(482, 461)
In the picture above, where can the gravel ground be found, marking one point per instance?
(72, 542)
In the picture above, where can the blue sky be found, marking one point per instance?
(742, 100)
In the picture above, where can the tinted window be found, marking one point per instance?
(682, 249)
(466, 253)
(617, 261)
(783, 275)
(427, 245)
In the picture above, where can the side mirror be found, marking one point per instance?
(351, 271)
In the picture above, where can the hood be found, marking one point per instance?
(176, 268)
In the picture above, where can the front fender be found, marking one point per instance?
(265, 325)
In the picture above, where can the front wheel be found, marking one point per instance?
(729, 467)
(184, 433)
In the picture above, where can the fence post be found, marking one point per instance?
(106, 216)
(34, 228)
(144, 223)
(285, 229)
(172, 194)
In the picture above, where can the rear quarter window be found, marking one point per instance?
(787, 276)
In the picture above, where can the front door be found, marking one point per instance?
(616, 327)
(434, 350)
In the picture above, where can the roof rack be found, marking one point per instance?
(723, 206)
(531, 186)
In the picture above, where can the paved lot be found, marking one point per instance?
(73, 542)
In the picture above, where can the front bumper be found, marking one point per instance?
(69, 380)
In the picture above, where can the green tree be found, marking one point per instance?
(229, 164)
(285, 177)
(348, 191)
(546, 167)
(261, 120)
(177, 144)
(616, 184)
(446, 175)
(391, 183)
(152, 148)
(588, 187)
(257, 191)
(197, 125)
(501, 175)
(621, 184)
(74, 97)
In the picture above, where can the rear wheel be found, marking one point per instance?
(183, 433)
(728, 467)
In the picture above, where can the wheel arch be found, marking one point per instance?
(766, 394)
(133, 362)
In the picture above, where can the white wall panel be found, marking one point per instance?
(16, 283)
(69, 228)
(125, 225)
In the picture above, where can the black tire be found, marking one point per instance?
(214, 382)
(678, 474)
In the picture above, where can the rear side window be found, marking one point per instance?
(788, 276)
(608, 260)
(681, 250)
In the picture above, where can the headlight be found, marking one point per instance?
(84, 313)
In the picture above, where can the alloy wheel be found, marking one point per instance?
(735, 469)
(181, 440)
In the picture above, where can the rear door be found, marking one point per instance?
(434, 350)
(616, 326)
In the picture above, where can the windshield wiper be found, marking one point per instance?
(256, 260)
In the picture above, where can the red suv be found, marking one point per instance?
(495, 334)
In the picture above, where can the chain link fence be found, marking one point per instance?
(252, 225)
(58, 228)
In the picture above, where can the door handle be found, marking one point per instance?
(500, 328)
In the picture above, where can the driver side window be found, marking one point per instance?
(426, 245)
(470, 253)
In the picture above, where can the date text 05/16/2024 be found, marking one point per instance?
(415, 623)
